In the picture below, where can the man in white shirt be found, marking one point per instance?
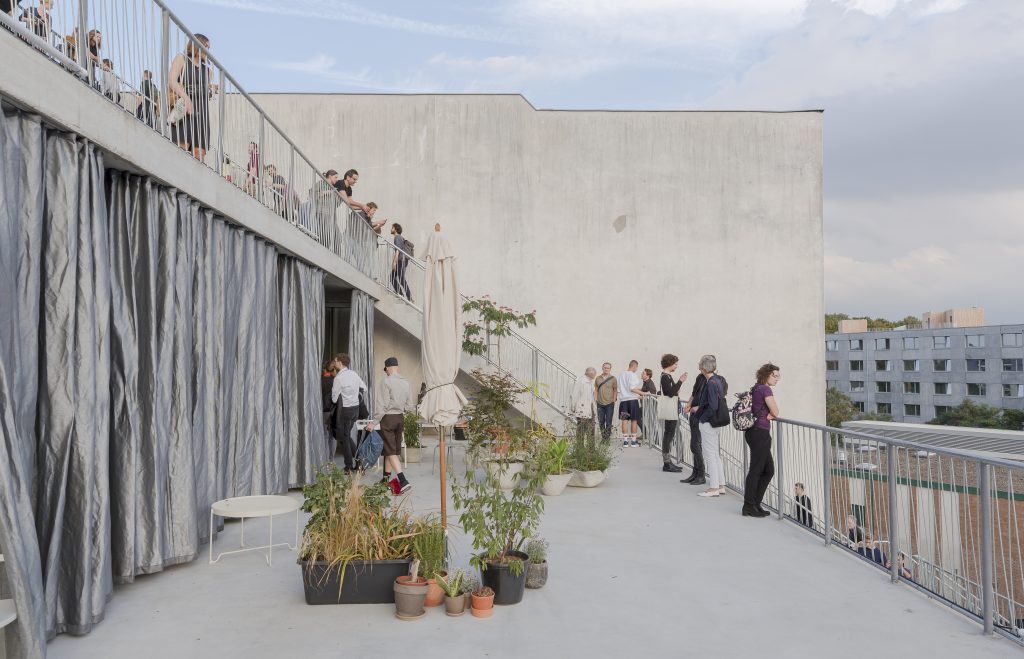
(582, 402)
(630, 388)
(345, 396)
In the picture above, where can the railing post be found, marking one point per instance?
(220, 122)
(826, 512)
(290, 188)
(779, 468)
(892, 460)
(165, 71)
(82, 43)
(258, 183)
(987, 580)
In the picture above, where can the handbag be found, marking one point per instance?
(177, 113)
(668, 408)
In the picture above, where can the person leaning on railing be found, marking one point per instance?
(759, 439)
(36, 19)
(148, 109)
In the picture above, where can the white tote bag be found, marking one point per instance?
(668, 408)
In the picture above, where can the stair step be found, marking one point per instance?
(8, 613)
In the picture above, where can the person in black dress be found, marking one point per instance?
(669, 387)
(190, 81)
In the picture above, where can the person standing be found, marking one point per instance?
(697, 477)
(345, 396)
(803, 506)
(648, 390)
(326, 386)
(392, 401)
(606, 390)
(714, 392)
(399, 262)
(759, 439)
(190, 82)
(670, 387)
(582, 402)
(629, 403)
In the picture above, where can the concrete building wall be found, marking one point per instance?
(631, 233)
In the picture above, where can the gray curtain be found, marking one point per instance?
(360, 340)
(153, 359)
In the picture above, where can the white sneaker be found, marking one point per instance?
(708, 493)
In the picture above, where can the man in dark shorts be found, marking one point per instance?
(392, 401)
(629, 403)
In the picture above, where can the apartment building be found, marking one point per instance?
(916, 374)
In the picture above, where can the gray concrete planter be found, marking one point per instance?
(555, 484)
(537, 575)
(587, 478)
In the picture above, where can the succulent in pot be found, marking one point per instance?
(454, 601)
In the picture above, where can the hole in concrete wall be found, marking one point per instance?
(619, 224)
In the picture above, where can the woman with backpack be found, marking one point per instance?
(759, 439)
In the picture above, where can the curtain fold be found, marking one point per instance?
(153, 359)
(360, 340)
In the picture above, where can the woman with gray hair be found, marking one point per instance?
(711, 397)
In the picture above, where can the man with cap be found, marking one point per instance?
(393, 400)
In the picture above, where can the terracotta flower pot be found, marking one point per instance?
(483, 605)
(409, 597)
(435, 595)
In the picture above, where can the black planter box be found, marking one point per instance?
(366, 582)
(508, 588)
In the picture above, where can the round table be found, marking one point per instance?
(255, 506)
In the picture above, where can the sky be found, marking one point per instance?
(923, 100)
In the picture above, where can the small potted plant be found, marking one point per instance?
(470, 584)
(410, 593)
(483, 602)
(537, 573)
(552, 463)
(411, 435)
(430, 548)
(454, 600)
(589, 458)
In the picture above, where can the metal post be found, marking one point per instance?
(222, 160)
(83, 40)
(987, 581)
(892, 460)
(826, 510)
(291, 187)
(258, 183)
(781, 490)
(165, 72)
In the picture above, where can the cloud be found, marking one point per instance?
(326, 69)
(509, 72)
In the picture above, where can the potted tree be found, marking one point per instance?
(552, 463)
(589, 457)
(494, 439)
(430, 549)
(411, 436)
(356, 542)
(537, 575)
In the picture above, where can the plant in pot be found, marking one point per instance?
(537, 574)
(589, 457)
(483, 602)
(454, 599)
(410, 594)
(411, 436)
(552, 463)
(470, 584)
(356, 541)
(499, 521)
(493, 438)
(430, 549)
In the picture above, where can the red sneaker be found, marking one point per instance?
(396, 487)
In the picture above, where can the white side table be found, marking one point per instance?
(257, 506)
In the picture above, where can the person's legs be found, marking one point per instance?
(712, 459)
(391, 426)
(666, 448)
(633, 433)
(768, 470)
(696, 449)
(604, 419)
(347, 417)
(625, 427)
(758, 457)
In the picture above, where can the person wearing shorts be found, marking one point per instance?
(392, 401)
(630, 388)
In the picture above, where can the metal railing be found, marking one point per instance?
(944, 521)
(142, 58)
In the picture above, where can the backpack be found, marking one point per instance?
(743, 411)
(409, 248)
(369, 450)
(721, 417)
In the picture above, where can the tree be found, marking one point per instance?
(832, 322)
(838, 408)
(969, 414)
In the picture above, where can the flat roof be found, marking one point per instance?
(985, 442)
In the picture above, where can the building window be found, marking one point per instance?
(1013, 365)
(832, 384)
(859, 406)
(911, 342)
(1013, 340)
(975, 389)
(940, 341)
(941, 365)
(1013, 391)
(976, 365)
(975, 340)
(883, 365)
(831, 345)
(911, 410)
(856, 365)
(881, 344)
(856, 344)
(911, 365)
(911, 387)
(831, 365)
(941, 388)
(856, 386)
(883, 408)
(942, 409)
(883, 387)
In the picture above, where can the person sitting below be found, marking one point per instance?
(869, 551)
(375, 224)
(853, 531)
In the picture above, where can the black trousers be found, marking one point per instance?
(604, 419)
(695, 448)
(344, 419)
(762, 466)
(666, 440)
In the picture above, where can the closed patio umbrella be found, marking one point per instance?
(442, 346)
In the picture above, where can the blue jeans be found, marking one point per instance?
(604, 419)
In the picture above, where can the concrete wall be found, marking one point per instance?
(631, 233)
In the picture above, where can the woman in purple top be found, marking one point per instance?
(759, 439)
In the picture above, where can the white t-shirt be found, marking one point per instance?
(628, 381)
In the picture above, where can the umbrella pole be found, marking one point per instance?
(444, 480)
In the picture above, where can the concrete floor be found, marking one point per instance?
(638, 565)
